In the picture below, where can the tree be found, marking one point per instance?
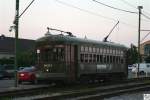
(132, 55)
(26, 58)
(6, 61)
(147, 59)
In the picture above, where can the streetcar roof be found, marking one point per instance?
(64, 39)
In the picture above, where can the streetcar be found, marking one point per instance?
(67, 58)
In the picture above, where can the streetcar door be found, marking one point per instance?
(70, 62)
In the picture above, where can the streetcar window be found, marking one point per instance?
(58, 54)
(86, 49)
(86, 57)
(122, 61)
(97, 50)
(111, 51)
(82, 48)
(117, 52)
(98, 58)
(119, 60)
(104, 50)
(90, 57)
(107, 59)
(101, 50)
(111, 58)
(90, 49)
(55, 54)
(94, 49)
(104, 57)
(82, 57)
(44, 55)
(101, 58)
(94, 58)
(54, 50)
(114, 51)
(114, 59)
(107, 50)
(61, 54)
(121, 52)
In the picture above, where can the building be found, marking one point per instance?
(145, 49)
(7, 46)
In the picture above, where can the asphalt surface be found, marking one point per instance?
(6, 83)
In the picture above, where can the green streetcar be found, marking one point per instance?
(67, 58)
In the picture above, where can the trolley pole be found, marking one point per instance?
(139, 30)
(16, 22)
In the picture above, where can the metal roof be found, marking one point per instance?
(7, 44)
(74, 40)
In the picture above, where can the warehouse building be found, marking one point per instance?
(7, 46)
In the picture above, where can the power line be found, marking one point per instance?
(145, 36)
(93, 13)
(133, 6)
(26, 8)
(146, 12)
(146, 16)
(129, 4)
(115, 7)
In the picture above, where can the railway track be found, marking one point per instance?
(97, 93)
(78, 92)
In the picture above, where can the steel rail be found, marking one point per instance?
(29, 91)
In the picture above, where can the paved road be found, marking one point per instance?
(6, 83)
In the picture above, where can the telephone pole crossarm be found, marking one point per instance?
(145, 30)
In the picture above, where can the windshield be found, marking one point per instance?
(52, 54)
(28, 69)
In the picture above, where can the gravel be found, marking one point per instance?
(133, 96)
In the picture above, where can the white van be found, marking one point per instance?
(143, 68)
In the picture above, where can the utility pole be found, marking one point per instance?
(16, 22)
(139, 30)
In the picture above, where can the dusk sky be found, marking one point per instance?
(81, 17)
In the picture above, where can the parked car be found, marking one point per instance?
(9, 71)
(27, 74)
(130, 67)
(143, 68)
(1, 71)
(21, 68)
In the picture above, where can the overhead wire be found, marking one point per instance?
(26, 8)
(146, 12)
(93, 13)
(124, 1)
(146, 16)
(145, 36)
(114, 7)
(134, 6)
(122, 9)
(87, 11)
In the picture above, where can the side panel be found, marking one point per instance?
(70, 62)
(101, 61)
(51, 63)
